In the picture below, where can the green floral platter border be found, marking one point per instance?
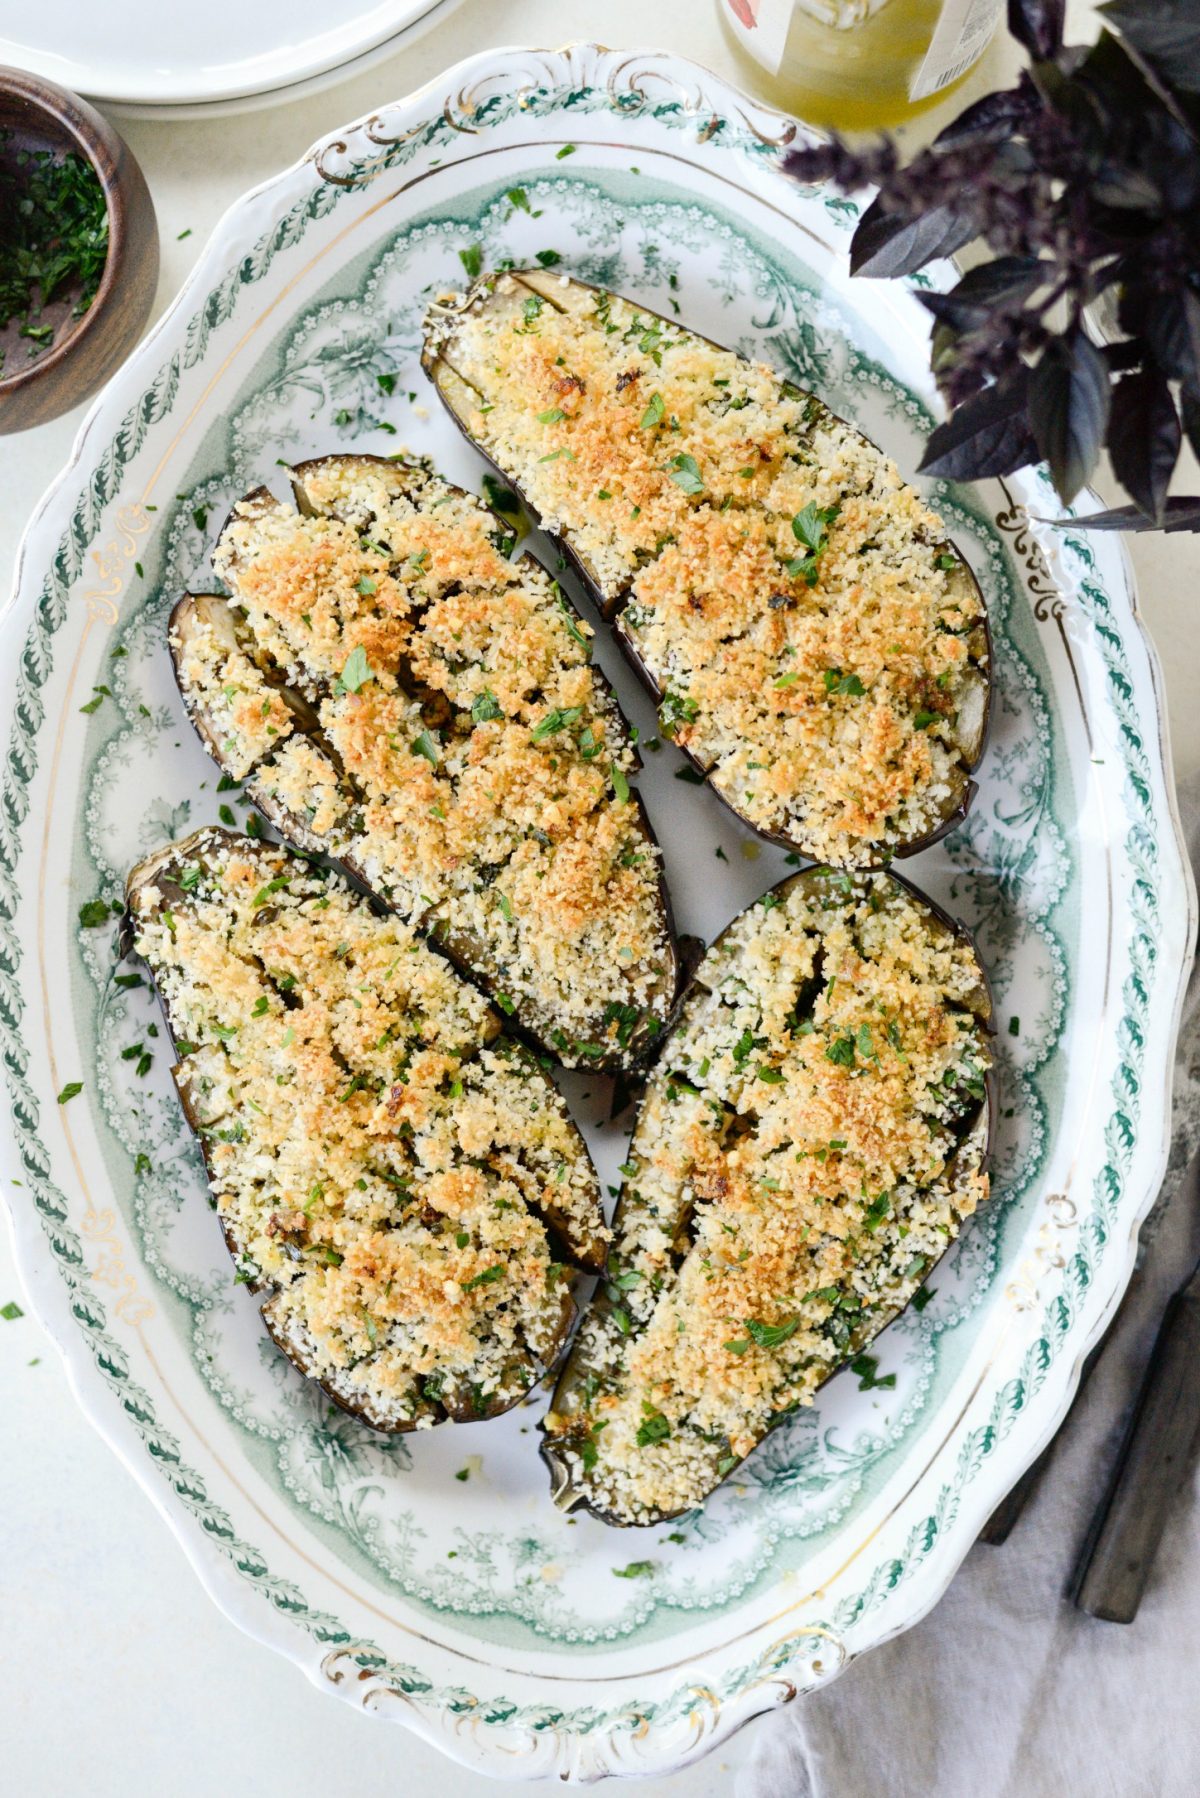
(429, 1578)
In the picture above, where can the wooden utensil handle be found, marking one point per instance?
(1116, 1562)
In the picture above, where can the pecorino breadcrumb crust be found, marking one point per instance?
(817, 646)
(403, 1181)
(809, 1144)
(394, 690)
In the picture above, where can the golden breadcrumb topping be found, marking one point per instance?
(445, 734)
(819, 648)
(396, 1174)
(808, 1146)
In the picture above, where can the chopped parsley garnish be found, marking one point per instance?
(684, 470)
(472, 260)
(841, 1051)
(635, 1570)
(94, 913)
(70, 1091)
(551, 417)
(425, 745)
(867, 1367)
(488, 1277)
(809, 527)
(654, 1427)
(653, 415)
(485, 707)
(357, 671)
(837, 682)
(619, 783)
(922, 720)
(53, 240)
(556, 720)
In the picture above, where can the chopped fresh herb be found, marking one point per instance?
(387, 383)
(841, 1051)
(771, 1336)
(1014, 1024)
(635, 1570)
(425, 745)
(485, 707)
(548, 258)
(551, 417)
(685, 472)
(518, 199)
(619, 783)
(556, 720)
(94, 913)
(770, 1076)
(53, 237)
(11, 1311)
(692, 775)
(488, 1277)
(866, 1367)
(567, 150)
(654, 1427)
(70, 1091)
(922, 720)
(357, 671)
(653, 415)
(472, 260)
(837, 682)
(921, 1298)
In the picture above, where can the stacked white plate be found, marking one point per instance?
(163, 61)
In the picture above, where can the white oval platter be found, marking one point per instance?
(428, 1578)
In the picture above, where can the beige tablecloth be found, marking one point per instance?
(1006, 1690)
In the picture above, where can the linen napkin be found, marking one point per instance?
(1006, 1690)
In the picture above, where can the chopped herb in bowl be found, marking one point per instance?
(53, 245)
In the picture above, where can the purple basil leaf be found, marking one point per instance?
(1037, 26)
(1170, 323)
(989, 120)
(1068, 409)
(987, 435)
(895, 243)
(1182, 513)
(1167, 34)
(1143, 438)
(1189, 408)
(1008, 280)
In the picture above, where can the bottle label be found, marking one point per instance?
(762, 26)
(963, 32)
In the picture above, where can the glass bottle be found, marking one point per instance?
(857, 64)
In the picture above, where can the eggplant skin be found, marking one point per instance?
(814, 1135)
(399, 1180)
(817, 647)
(397, 693)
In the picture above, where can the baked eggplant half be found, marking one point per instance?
(815, 644)
(813, 1134)
(401, 1180)
(396, 692)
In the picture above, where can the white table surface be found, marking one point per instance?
(118, 1676)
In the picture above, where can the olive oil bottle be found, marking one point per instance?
(857, 64)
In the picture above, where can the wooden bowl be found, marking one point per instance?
(87, 350)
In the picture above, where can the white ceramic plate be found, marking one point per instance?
(168, 56)
(470, 1609)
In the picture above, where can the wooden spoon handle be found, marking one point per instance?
(1118, 1556)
